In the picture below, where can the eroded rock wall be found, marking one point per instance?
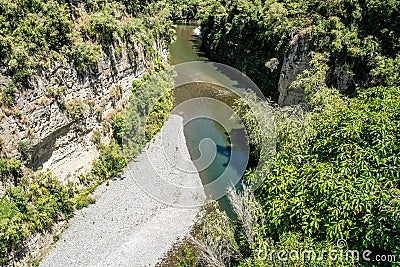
(295, 62)
(297, 59)
(59, 112)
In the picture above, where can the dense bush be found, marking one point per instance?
(341, 181)
(118, 124)
(84, 54)
(111, 162)
(247, 34)
(29, 207)
(10, 169)
(75, 108)
(36, 32)
(149, 107)
(30, 30)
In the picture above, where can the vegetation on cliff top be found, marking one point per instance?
(32, 35)
(362, 36)
(336, 173)
(35, 33)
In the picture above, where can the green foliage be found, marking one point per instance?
(351, 156)
(136, 85)
(55, 92)
(187, 257)
(118, 124)
(25, 148)
(102, 25)
(83, 200)
(387, 71)
(218, 241)
(27, 208)
(7, 97)
(318, 96)
(158, 115)
(149, 107)
(11, 233)
(96, 137)
(257, 117)
(335, 174)
(294, 245)
(35, 33)
(76, 108)
(111, 162)
(84, 54)
(10, 169)
(247, 34)
(31, 31)
(184, 9)
(99, 114)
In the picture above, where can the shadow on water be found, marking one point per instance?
(186, 48)
(228, 138)
(228, 142)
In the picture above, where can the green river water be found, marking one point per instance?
(205, 135)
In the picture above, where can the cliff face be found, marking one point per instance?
(55, 118)
(297, 60)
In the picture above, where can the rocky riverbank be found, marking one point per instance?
(130, 225)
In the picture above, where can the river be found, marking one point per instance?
(206, 130)
(128, 225)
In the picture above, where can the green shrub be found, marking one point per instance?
(96, 137)
(247, 34)
(55, 92)
(84, 55)
(27, 208)
(149, 107)
(102, 25)
(25, 148)
(28, 39)
(352, 158)
(83, 201)
(7, 97)
(76, 108)
(187, 257)
(158, 115)
(387, 71)
(99, 114)
(118, 125)
(11, 232)
(110, 163)
(10, 169)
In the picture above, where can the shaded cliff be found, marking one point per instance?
(270, 42)
(297, 59)
(52, 120)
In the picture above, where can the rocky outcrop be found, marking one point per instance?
(55, 118)
(297, 60)
(294, 63)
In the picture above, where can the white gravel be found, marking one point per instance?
(128, 226)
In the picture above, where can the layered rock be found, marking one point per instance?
(297, 60)
(55, 117)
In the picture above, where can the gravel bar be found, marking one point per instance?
(137, 218)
